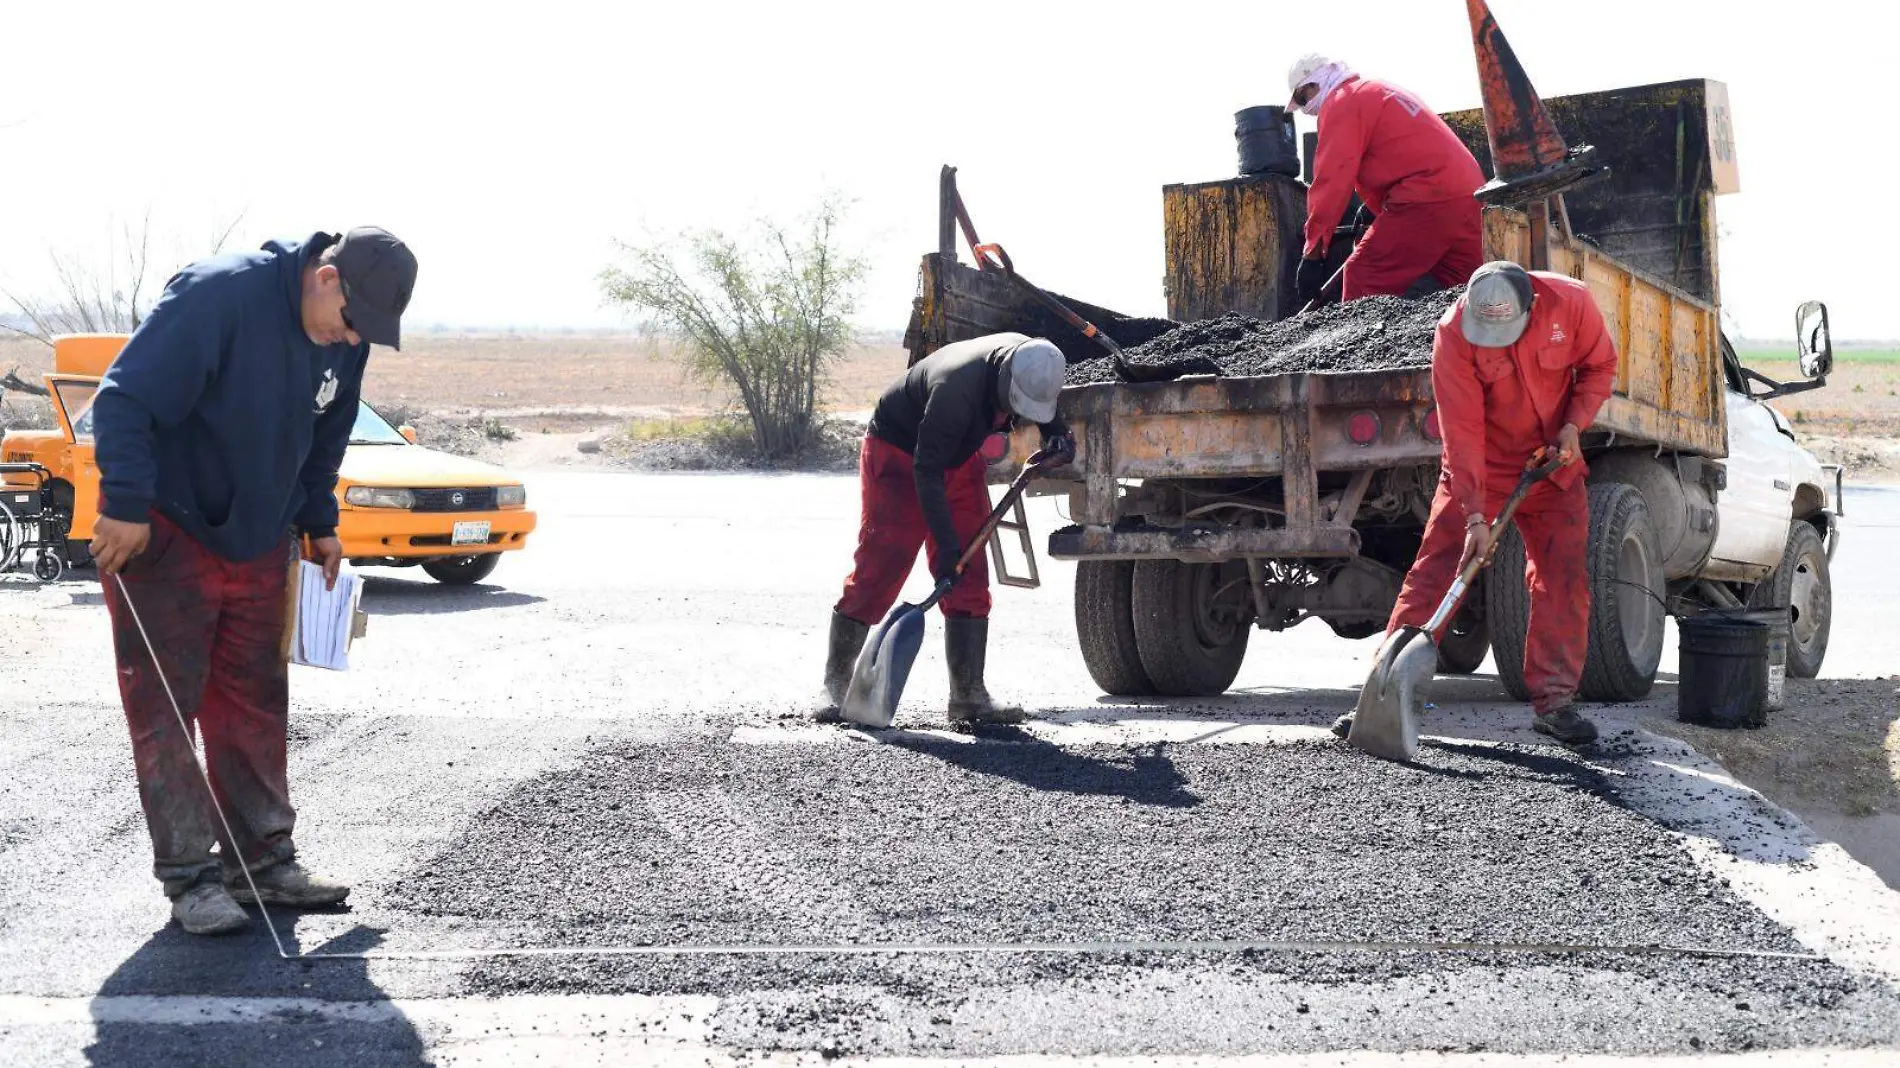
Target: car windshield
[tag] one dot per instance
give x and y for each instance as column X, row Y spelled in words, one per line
column 76, row 398
column 373, row 429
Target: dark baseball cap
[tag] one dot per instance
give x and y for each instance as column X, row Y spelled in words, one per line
column 379, row 273
column 1497, row 305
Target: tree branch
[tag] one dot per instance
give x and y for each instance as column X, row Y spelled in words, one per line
column 13, row 382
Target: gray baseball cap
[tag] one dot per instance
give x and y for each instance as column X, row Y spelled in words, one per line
column 1497, row 305
column 1036, row 369
column 379, row 273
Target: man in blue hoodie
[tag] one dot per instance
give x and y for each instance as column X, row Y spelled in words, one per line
column 218, row 431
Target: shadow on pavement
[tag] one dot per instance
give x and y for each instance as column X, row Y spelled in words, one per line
column 406, row 597
column 145, row 1014
column 1143, row 774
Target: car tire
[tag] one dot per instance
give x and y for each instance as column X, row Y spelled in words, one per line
column 1467, row 638
column 1105, row 627
column 1802, row 584
column 1507, row 611
column 1191, row 640
column 462, row 570
column 1627, row 619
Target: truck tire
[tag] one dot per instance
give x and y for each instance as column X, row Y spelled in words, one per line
column 462, row 570
column 1191, row 624
column 1801, row 582
column 1467, row 637
column 1105, row 627
column 1627, row 621
column 1507, row 611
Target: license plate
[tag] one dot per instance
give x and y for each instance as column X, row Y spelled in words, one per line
column 470, row 534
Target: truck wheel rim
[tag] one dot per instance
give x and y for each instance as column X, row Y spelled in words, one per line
column 1803, row 591
column 1639, row 615
column 1214, row 627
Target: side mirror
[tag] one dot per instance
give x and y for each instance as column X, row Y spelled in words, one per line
column 1812, row 337
column 408, row 433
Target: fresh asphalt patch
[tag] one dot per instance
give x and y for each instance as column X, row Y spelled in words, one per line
column 1010, row 839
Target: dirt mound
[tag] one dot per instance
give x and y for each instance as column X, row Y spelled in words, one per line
column 1373, row 333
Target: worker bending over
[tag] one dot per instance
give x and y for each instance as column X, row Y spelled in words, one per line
column 921, row 477
column 1522, row 361
column 1411, row 172
column 219, row 430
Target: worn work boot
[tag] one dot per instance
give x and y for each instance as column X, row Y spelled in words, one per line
column 208, row 909
column 847, row 641
column 287, row 884
column 1343, row 725
column 1566, row 726
column 964, row 644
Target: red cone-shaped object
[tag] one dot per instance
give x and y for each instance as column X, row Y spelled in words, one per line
column 1523, row 139
column 1528, row 155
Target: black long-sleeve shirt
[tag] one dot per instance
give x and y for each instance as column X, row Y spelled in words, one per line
column 941, row 411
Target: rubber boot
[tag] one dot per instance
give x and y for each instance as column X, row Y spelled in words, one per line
column 964, row 644
column 847, row 641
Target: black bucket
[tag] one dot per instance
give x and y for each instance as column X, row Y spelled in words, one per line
column 1267, row 142
column 1723, row 672
column 1780, row 626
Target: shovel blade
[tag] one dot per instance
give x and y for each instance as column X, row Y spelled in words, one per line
column 1385, row 722
column 877, row 683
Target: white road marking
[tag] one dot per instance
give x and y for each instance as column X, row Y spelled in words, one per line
column 595, row 1029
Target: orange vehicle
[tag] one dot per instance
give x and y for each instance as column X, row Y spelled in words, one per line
column 398, row 504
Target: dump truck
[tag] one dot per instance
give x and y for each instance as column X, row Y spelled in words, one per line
column 1209, row 507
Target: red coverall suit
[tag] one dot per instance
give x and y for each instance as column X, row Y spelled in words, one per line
column 1497, row 407
column 1412, row 172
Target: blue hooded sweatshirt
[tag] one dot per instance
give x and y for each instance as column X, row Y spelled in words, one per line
column 221, row 413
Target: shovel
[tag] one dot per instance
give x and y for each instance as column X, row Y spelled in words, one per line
column 1385, row 722
column 877, row 682
column 993, row 256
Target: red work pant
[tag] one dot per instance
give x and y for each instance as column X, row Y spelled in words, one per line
column 1555, row 525
column 892, row 530
column 218, row 628
column 1409, row 241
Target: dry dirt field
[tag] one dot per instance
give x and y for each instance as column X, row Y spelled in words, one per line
column 555, row 391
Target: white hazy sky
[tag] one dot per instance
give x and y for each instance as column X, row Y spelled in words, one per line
column 509, row 144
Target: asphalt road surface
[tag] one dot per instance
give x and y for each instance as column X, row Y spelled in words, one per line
column 587, row 823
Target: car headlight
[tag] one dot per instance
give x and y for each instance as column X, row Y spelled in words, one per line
column 377, row 497
column 511, row 496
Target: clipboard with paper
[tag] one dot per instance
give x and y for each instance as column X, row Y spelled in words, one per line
column 321, row 623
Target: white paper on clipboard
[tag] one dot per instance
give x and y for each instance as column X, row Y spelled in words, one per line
column 326, row 618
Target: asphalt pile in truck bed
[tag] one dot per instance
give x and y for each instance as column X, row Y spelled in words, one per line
column 1369, row 334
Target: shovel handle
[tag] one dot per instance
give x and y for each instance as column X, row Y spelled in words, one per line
column 1323, row 290
column 1542, row 464
column 1016, row 488
column 992, row 257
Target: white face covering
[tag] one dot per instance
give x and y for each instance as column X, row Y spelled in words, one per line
column 1328, row 79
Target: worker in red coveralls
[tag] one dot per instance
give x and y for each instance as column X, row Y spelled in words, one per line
column 218, row 430
column 1411, row 172
column 1521, row 362
column 921, row 477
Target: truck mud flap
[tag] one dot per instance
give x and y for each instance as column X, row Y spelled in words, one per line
column 1201, row 545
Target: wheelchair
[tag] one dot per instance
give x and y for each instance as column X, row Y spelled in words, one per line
column 32, row 523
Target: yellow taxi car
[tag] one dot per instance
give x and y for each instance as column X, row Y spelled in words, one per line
column 398, row 504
